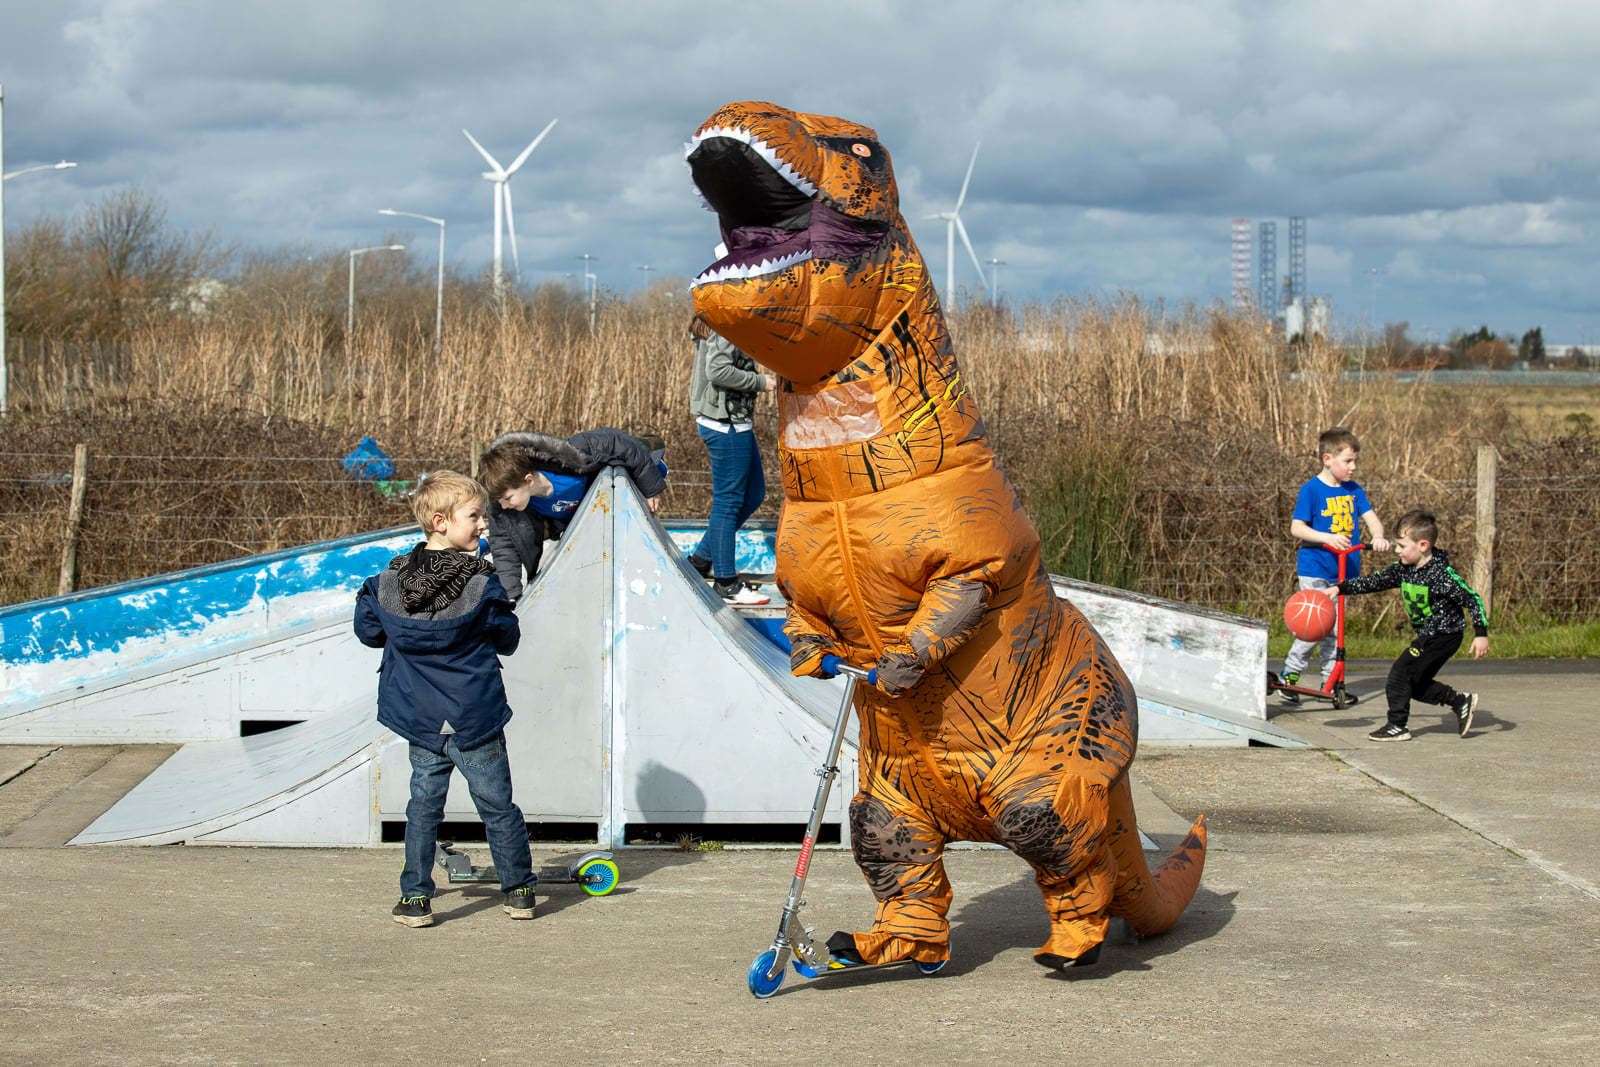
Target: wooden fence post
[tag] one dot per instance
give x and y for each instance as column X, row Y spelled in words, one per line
column 69, row 547
column 473, row 445
column 1483, row 556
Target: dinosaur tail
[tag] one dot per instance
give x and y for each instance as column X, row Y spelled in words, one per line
column 1151, row 902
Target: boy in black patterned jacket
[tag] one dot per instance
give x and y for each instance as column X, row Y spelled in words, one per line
column 1437, row 599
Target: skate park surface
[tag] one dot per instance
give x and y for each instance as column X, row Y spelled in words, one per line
column 1434, row 901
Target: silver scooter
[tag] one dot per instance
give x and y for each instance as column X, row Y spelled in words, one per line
column 794, row 937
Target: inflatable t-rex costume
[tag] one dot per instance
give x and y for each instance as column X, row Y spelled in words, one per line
column 999, row 715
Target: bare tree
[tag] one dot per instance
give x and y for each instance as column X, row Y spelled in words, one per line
column 132, row 262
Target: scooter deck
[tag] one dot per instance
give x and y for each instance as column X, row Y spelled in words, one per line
column 835, row 968
column 562, row 870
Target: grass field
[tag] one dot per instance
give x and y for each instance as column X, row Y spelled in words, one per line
column 1540, row 411
column 1515, row 639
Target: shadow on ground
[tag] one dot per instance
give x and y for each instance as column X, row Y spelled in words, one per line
column 1012, row 916
column 453, row 902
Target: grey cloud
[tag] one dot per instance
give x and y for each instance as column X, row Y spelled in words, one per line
column 1450, row 146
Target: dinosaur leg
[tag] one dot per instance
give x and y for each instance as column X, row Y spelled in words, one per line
column 900, row 852
column 1059, row 827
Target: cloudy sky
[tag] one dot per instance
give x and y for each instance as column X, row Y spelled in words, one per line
column 1450, row 147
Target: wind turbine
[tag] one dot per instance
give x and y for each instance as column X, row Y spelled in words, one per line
column 994, row 279
column 500, row 178
column 953, row 226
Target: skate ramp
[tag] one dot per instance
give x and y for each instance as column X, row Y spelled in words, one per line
column 309, row 784
column 189, row 656
column 639, row 698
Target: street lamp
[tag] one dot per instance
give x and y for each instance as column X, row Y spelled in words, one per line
column 63, row 165
column 350, row 302
column 1372, row 298
column 4, row 177
column 592, row 282
column 438, row 310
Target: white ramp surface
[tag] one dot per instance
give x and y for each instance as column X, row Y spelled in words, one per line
column 309, row 784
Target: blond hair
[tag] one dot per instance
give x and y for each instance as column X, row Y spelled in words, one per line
column 441, row 492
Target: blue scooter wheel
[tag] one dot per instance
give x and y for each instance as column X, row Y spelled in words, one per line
column 763, row 983
column 931, row 968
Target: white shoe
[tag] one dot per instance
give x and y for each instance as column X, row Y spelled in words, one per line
column 742, row 595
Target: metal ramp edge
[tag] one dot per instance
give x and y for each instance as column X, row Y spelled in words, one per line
column 1243, row 727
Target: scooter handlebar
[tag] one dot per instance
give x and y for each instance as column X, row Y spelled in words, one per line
column 832, row 665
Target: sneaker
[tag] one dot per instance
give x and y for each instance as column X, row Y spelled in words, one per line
column 1465, row 705
column 413, row 911
column 701, row 565
column 1291, row 678
column 519, row 902
column 1390, row 732
column 741, row 594
column 1062, row 963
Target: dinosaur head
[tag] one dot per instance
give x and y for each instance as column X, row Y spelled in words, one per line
column 811, row 219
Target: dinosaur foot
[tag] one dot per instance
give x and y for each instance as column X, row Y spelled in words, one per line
column 1062, row 963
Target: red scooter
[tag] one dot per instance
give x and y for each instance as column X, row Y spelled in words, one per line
column 1333, row 688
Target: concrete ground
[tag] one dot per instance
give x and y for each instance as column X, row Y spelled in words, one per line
column 1427, row 902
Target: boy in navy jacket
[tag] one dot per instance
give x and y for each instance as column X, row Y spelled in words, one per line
column 443, row 621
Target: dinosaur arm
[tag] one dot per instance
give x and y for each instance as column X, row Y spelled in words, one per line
column 810, row 638
column 950, row 611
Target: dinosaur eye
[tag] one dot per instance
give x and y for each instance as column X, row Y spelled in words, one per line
column 861, row 150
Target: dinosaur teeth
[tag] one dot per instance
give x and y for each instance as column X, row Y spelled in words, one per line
column 761, row 148
column 750, row 270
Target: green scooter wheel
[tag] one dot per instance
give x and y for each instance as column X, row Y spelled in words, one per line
column 598, row 877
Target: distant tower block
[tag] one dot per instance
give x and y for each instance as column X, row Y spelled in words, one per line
column 1297, row 259
column 1267, row 268
column 1242, row 295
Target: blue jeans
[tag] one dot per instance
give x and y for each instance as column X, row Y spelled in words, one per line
column 737, row 488
column 488, row 775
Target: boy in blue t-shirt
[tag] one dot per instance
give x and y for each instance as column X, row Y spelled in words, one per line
column 1325, row 513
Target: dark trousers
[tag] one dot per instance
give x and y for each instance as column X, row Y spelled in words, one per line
column 737, row 488
column 488, row 775
column 1411, row 677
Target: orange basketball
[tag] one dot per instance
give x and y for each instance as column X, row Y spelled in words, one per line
column 1309, row 615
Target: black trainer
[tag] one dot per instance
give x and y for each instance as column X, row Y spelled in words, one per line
column 1290, row 678
column 519, row 902
column 1062, row 963
column 701, row 565
column 1390, row 732
column 842, row 947
column 413, row 911
column 1465, row 705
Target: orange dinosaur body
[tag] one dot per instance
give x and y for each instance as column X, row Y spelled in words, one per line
column 1000, row 715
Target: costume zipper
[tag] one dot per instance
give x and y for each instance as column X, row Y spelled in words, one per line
column 850, row 581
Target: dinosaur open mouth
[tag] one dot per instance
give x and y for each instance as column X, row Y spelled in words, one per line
column 772, row 216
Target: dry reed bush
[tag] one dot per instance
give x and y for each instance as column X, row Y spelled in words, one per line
column 1210, row 422
column 172, row 487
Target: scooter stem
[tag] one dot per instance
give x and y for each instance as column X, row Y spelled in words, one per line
column 791, row 934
